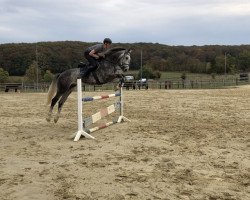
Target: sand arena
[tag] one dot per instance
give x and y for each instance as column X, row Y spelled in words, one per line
column 180, row 144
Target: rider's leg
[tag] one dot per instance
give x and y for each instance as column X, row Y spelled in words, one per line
column 93, row 65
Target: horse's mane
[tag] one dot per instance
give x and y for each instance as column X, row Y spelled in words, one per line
column 114, row 50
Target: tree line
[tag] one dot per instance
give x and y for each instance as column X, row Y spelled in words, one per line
column 56, row 57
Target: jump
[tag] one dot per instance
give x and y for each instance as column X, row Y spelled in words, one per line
column 115, row 63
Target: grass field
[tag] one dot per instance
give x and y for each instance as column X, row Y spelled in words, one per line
column 190, row 76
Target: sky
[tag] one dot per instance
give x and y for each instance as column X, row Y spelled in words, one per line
column 170, row 22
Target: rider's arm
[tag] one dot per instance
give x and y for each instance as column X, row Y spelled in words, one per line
column 93, row 54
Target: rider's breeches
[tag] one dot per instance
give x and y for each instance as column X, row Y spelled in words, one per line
column 92, row 61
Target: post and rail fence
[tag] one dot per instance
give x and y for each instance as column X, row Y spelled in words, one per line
column 151, row 84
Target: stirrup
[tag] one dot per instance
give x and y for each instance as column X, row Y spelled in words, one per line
column 81, row 65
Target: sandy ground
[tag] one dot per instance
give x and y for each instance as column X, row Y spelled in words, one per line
column 180, row 144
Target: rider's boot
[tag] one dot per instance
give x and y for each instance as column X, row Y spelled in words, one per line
column 89, row 68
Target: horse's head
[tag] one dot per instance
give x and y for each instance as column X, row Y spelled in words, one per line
column 120, row 57
column 124, row 60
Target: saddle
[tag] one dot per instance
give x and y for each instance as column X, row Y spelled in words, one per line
column 86, row 69
column 87, row 65
column 82, row 65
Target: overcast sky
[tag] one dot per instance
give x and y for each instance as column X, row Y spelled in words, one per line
column 171, row 22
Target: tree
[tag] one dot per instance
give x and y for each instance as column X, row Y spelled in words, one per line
column 219, row 66
column 33, row 72
column 59, row 56
column 148, row 72
column 4, row 75
column 48, row 76
column 244, row 60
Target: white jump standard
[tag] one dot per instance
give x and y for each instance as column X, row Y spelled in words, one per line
column 97, row 116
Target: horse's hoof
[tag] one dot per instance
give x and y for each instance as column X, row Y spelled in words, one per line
column 56, row 119
column 48, row 119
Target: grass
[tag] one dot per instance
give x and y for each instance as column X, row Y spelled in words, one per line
column 190, row 76
column 16, row 79
column 196, row 76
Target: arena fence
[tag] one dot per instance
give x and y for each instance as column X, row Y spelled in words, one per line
column 151, row 84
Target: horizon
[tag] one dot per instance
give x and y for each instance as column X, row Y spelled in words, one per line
column 115, row 43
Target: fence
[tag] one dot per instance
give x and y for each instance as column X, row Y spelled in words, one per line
column 197, row 84
column 44, row 87
column 152, row 84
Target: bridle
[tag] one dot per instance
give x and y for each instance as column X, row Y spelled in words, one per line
column 120, row 58
column 119, row 62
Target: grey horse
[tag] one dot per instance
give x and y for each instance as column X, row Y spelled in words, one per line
column 116, row 62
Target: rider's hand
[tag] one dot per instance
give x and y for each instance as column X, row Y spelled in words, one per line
column 96, row 56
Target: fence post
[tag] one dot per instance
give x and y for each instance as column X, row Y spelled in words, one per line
column 79, row 113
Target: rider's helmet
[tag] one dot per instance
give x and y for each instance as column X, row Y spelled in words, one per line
column 107, row 40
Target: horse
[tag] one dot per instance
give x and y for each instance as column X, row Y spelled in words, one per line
column 115, row 63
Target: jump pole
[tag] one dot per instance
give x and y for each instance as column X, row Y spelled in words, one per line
column 79, row 112
column 121, row 117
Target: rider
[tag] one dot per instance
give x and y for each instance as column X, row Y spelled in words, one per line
column 93, row 53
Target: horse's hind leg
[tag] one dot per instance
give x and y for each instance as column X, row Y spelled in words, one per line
column 53, row 102
column 62, row 101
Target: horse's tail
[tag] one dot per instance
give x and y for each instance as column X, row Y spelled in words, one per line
column 52, row 89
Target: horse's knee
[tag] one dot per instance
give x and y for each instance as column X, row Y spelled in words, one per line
column 60, row 105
